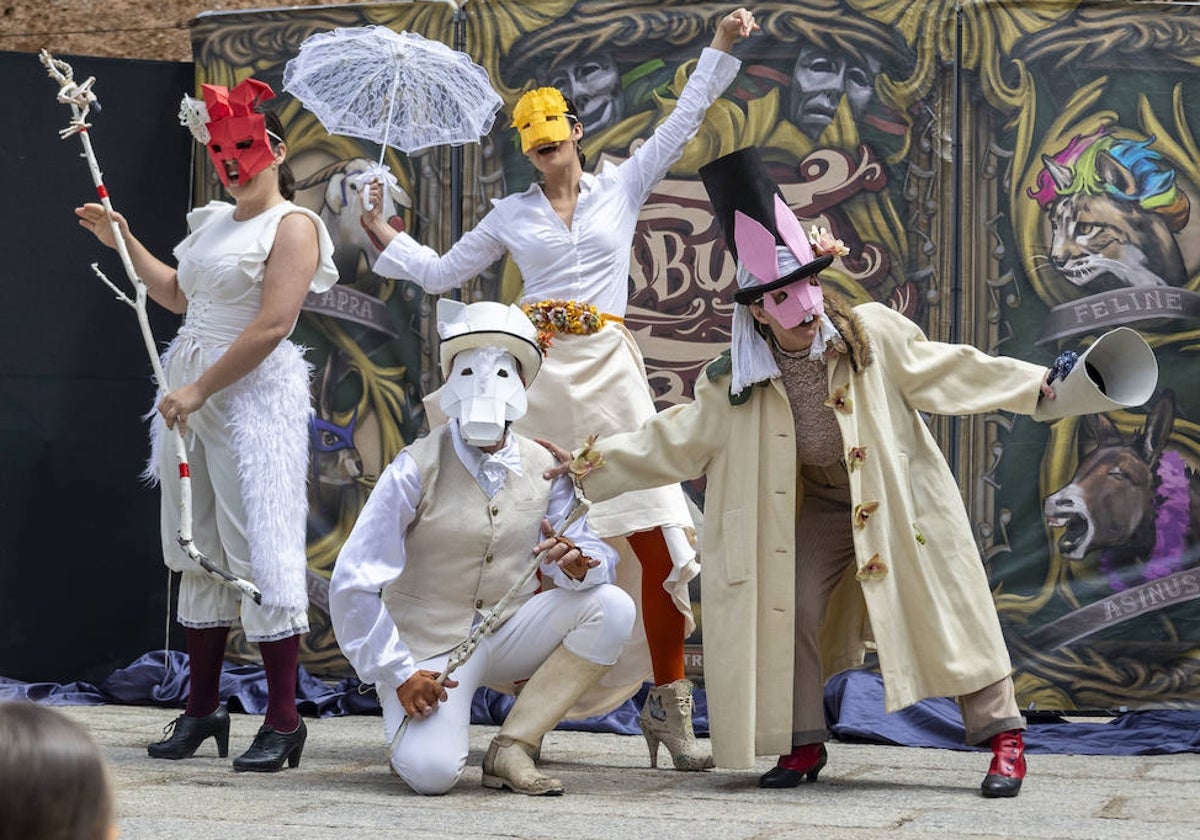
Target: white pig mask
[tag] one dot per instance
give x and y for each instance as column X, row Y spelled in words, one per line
column 485, row 392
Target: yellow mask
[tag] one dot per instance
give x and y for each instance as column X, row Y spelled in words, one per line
column 541, row 117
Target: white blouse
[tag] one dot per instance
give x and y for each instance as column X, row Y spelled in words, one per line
column 374, row 556
column 590, row 261
column 222, row 263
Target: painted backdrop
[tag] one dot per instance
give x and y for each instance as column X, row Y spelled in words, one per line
column 1017, row 175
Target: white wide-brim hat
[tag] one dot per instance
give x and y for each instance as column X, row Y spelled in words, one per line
column 487, row 323
column 1119, row 370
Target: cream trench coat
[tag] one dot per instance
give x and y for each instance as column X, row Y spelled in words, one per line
column 919, row 575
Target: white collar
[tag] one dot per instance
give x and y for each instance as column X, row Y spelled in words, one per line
column 473, row 458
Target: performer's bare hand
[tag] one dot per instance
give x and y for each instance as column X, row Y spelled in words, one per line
column 372, row 202
column 94, row 218
column 1047, row 389
column 737, row 24
column 561, row 455
column 563, row 553
column 421, row 693
column 177, row 405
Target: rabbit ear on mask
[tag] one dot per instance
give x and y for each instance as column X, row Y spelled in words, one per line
column 240, row 101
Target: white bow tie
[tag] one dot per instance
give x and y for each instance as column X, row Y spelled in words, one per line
column 492, row 475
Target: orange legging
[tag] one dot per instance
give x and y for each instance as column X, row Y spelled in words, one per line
column 661, row 618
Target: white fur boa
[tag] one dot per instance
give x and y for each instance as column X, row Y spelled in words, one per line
column 270, row 411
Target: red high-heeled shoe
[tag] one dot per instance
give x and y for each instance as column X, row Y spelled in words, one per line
column 1008, row 765
column 803, row 762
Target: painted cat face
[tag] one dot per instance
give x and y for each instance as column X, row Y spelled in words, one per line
column 1093, row 235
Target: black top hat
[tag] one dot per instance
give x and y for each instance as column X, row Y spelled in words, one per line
column 751, row 211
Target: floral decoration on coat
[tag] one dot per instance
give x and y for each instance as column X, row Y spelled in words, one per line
column 873, row 569
column 863, row 512
column 856, row 457
column 587, row 460
column 840, row 400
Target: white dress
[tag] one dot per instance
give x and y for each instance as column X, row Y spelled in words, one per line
column 588, row 384
column 248, row 444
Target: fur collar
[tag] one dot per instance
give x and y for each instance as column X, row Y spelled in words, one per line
column 857, row 344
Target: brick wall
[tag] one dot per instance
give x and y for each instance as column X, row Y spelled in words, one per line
column 147, row 29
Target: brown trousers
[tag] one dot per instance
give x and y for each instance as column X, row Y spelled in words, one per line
column 824, row 554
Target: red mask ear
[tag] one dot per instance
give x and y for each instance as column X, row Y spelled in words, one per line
column 216, row 100
column 241, row 101
column 248, row 94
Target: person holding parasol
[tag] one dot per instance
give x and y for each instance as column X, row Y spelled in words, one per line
column 571, row 235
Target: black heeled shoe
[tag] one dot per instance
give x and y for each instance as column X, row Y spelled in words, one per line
column 804, row 762
column 185, row 734
column 271, row 749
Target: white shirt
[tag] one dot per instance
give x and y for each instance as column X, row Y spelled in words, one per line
column 589, row 262
column 374, row 555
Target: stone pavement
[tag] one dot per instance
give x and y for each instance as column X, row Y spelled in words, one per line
column 343, row 789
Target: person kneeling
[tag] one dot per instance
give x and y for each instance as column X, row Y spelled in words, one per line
column 445, row 534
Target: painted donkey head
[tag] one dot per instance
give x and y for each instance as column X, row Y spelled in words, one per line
column 1132, row 498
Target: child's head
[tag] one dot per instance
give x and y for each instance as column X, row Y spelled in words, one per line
column 54, row 783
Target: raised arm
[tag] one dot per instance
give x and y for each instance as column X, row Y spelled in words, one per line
column 674, row 445
column 713, row 73
column 941, row 378
column 404, row 258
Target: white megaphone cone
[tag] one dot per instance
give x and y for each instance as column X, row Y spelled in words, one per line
column 1118, row 371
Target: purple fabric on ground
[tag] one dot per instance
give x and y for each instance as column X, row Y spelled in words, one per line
column 853, row 709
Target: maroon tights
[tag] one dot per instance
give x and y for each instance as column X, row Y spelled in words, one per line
column 206, row 653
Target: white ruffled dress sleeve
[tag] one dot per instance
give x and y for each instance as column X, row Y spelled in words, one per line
column 253, row 261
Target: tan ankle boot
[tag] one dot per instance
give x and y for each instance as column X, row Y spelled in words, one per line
column 508, row 764
column 550, row 692
column 667, row 718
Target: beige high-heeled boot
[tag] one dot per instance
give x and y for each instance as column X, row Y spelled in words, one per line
column 667, row 718
column 550, row 692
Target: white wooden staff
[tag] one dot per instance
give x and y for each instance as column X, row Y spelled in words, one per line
column 81, row 99
column 460, row 654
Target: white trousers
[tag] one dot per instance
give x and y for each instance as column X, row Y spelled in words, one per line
column 219, row 529
column 593, row 623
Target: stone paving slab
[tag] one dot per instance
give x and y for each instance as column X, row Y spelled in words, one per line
column 343, row 788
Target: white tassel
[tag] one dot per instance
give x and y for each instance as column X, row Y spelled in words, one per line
column 749, row 354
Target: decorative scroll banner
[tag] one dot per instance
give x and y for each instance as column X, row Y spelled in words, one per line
column 351, row 305
column 1136, row 601
column 1118, row 308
